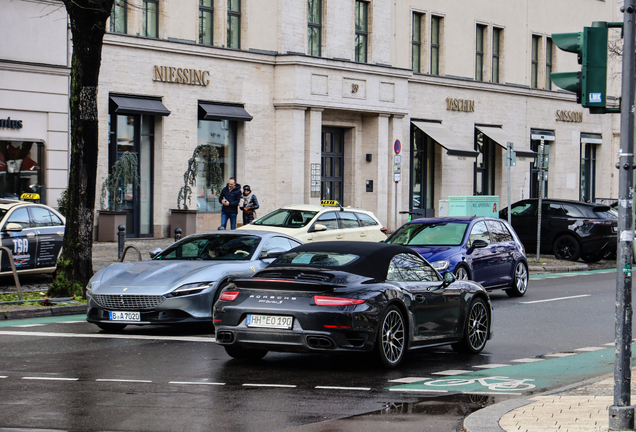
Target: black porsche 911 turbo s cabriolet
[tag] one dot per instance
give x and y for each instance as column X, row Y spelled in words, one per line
column 351, row 296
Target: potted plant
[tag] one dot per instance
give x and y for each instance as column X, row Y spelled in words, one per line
column 123, row 172
column 183, row 216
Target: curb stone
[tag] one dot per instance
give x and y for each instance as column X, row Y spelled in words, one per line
column 38, row 311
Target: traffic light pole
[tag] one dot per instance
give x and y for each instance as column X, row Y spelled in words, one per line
column 621, row 414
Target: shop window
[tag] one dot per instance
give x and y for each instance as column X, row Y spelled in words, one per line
column 362, row 31
column 222, row 135
column 588, row 172
column 21, row 169
column 206, row 15
column 423, row 165
column 484, row 180
column 234, row 24
column 118, row 17
column 150, row 19
column 314, row 27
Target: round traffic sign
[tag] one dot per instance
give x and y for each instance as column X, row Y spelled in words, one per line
column 397, row 147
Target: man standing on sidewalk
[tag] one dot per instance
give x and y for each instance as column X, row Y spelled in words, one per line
column 230, row 198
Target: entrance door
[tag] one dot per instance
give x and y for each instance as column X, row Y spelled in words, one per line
column 423, row 176
column 135, row 134
column 332, row 162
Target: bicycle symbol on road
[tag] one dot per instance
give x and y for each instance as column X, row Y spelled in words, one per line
column 494, row 383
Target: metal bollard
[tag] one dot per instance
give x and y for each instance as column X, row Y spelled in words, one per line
column 177, row 234
column 121, row 240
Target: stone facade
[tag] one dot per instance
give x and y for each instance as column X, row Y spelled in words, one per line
column 292, row 97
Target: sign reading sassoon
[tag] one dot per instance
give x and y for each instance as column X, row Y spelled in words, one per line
column 181, row 75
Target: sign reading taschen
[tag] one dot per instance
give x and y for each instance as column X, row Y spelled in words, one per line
column 181, row 76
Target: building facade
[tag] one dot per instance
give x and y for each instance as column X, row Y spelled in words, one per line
column 34, row 104
column 313, row 99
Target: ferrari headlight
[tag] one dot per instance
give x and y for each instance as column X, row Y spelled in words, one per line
column 191, row 288
column 91, row 286
column 440, row 265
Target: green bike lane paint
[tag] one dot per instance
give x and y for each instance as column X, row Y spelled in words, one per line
column 520, row 378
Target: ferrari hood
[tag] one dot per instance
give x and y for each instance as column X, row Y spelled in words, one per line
column 156, row 277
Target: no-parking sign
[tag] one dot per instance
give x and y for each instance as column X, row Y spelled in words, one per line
column 397, row 147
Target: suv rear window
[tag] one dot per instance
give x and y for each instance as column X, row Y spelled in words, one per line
column 366, row 220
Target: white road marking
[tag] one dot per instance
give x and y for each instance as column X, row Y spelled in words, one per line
column 555, row 299
column 196, row 382
column 492, row 393
column 270, row 385
column 50, row 378
column 527, row 360
column 70, row 322
column 590, row 349
column 4, row 377
column 109, row 336
column 417, row 390
column 409, row 380
column 343, row 388
column 122, row 380
column 451, row 372
column 490, row 366
column 559, row 354
column 30, row 325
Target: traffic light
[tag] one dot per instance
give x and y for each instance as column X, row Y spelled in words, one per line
column 590, row 84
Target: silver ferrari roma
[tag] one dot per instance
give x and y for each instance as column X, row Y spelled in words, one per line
column 181, row 283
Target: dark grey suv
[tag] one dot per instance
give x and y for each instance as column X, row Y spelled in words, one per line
column 569, row 229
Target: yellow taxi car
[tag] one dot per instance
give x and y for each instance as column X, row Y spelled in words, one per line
column 328, row 222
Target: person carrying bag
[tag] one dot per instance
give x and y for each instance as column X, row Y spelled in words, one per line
column 248, row 204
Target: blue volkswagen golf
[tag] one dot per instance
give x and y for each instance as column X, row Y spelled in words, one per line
column 482, row 249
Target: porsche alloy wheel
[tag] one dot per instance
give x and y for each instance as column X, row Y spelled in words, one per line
column 519, row 282
column 391, row 342
column 476, row 329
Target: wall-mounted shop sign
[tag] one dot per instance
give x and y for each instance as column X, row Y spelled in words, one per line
column 10, row 124
column 181, row 76
column 465, row 105
column 569, row 116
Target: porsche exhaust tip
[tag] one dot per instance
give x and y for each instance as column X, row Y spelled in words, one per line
column 320, row 342
column 225, row 337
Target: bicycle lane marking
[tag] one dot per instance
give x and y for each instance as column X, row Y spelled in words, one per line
column 42, row 320
column 521, row 378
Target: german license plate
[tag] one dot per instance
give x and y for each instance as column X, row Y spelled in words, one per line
column 124, row 316
column 270, row 321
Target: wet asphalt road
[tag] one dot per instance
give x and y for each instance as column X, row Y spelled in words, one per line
column 71, row 376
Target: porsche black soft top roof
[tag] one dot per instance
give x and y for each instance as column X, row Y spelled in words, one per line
column 373, row 261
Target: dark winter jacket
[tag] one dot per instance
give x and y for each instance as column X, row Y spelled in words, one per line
column 232, row 196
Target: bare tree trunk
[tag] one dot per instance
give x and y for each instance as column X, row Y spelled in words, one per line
column 88, row 25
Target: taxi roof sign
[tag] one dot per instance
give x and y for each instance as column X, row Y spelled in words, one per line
column 30, row 196
column 330, row 203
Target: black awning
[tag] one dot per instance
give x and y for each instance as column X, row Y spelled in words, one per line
column 210, row 111
column 500, row 137
column 133, row 105
column 454, row 145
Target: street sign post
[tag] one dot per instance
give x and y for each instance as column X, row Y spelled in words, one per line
column 621, row 413
column 397, row 175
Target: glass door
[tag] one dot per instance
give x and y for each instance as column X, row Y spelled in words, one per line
column 332, row 163
column 134, row 134
column 422, row 178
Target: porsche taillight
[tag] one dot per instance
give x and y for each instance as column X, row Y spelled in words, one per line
column 336, row 301
column 229, row 295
